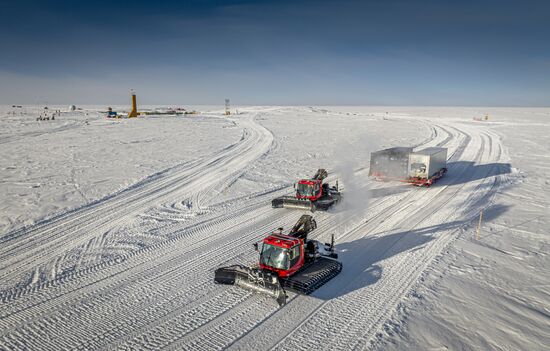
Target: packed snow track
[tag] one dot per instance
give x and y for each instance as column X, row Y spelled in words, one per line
column 63, row 288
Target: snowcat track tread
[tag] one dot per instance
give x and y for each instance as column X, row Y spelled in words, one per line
column 313, row 276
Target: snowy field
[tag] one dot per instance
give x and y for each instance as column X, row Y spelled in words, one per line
column 110, row 230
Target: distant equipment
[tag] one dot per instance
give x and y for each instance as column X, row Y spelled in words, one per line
column 111, row 113
column 72, row 108
column 134, row 112
column 227, row 112
column 484, row 118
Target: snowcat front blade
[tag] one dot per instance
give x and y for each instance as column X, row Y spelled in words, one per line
column 292, row 202
column 252, row 279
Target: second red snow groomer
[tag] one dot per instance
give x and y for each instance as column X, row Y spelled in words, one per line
column 311, row 194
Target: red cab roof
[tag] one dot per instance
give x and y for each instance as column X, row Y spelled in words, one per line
column 281, row 240
column 308, row 181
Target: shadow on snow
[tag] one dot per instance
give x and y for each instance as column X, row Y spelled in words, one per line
column 459, row 172
column 362, row 258
column 473, row 171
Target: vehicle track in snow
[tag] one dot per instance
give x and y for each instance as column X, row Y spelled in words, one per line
column 24, row 135
column 72, row 300
column 165, row 340
column 286, row 325
column 328, row 225
column 80, row 296
column 36, row 248
column 175, row 303
column 354, row 319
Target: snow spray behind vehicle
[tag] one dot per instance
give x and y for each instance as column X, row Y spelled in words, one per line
column 390, row 164
column 354, row 181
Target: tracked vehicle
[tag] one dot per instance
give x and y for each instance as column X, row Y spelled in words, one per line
column 311, row 194
column 287, row 262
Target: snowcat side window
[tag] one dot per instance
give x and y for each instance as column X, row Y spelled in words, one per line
column 294, row 255
column 274, row 256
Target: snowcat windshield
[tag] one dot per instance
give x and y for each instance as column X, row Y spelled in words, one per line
column 274, row 256
column 305, row 190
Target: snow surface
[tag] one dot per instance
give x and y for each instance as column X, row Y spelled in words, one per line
column 110, row 230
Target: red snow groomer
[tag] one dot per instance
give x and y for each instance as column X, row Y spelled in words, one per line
column 287, row 261
column 311, row 194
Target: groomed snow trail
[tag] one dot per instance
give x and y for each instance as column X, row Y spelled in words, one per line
column 163, row 295
column 36, row 252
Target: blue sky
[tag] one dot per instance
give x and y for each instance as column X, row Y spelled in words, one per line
column 491, row 53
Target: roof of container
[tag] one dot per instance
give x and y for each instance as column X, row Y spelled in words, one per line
column 395, row 150
column 430, row 151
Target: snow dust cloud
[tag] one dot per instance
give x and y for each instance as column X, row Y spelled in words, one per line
column 351, row 170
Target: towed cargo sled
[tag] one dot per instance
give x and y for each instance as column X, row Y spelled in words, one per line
column 427, row 166
column 420, row 168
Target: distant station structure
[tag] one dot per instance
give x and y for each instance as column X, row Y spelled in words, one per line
column 110, row 113
column 133, row 112
column 227, row 112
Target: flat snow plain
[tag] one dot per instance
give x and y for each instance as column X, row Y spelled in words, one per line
column 110, row 230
